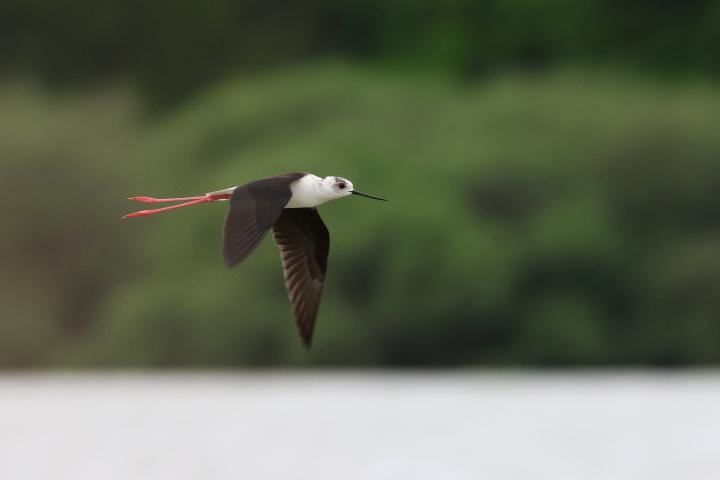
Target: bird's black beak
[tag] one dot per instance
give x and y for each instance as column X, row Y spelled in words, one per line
column 355, row 192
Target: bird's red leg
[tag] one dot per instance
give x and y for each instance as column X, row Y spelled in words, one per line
column 193, row 201
column 164, row 200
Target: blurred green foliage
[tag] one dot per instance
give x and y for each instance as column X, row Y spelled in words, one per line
column 171, row 48
column 552, row 168
column 563, row 218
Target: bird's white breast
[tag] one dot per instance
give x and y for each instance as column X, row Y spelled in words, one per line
column 307, row 192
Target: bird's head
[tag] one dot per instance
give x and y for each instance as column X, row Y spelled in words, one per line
column 338, row 187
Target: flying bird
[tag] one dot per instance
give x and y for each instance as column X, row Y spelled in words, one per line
column 286, row 204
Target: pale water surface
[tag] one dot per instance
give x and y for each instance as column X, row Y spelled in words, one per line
column 349, row 425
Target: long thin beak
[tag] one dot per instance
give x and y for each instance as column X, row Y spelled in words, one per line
column 355, row 192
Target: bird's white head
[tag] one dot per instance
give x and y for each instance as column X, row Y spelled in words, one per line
column 336, row 187
column 311, row 191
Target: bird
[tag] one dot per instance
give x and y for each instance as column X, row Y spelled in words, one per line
column 285, row 204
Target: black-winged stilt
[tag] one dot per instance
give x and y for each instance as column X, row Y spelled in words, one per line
column 286, row 203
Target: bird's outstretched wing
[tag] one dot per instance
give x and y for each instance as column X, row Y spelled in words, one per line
column 254, row 209
column 304, row 243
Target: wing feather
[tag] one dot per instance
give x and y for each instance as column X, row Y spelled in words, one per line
column 254, row 208
column 304, row 243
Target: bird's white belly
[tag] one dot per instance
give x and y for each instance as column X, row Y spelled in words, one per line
column 306, row 193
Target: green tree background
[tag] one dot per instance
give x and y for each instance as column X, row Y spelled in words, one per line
column 553, row 169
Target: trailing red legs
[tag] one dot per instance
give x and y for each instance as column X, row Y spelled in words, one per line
column 164, row 200
column 188, row 201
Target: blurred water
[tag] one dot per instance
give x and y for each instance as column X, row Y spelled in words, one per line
column 339, row 425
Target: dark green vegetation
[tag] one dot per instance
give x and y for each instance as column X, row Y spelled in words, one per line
column 174, row 47
column 553, row 168
column 570, row 218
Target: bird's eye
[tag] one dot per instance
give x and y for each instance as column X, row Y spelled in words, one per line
column 341, row 185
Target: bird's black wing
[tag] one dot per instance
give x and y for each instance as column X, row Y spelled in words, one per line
column 304, row 243
column 254, row 209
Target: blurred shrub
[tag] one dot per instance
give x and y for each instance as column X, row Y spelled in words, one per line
column 172, row 48
column 60, row 249
column 564, row 219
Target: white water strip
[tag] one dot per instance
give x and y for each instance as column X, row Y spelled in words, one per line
column 349, row 425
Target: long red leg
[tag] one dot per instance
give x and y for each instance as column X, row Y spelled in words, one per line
column 144, row 213
column 164, row 200
column 192, row 201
